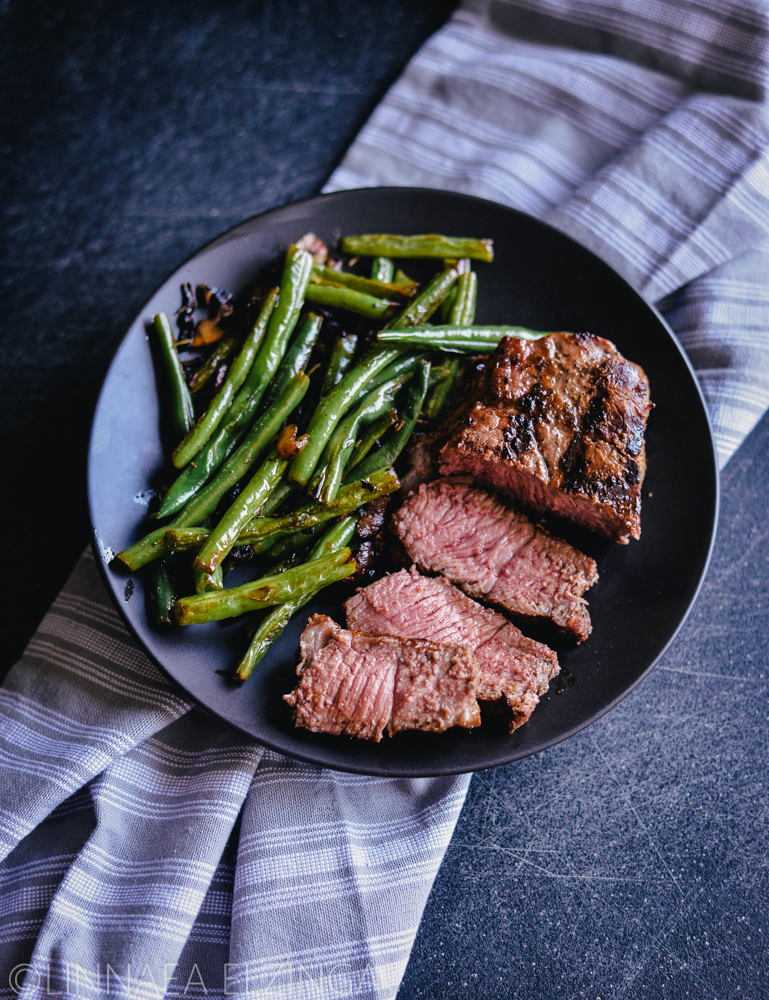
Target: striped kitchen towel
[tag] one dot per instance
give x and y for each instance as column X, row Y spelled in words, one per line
column 646, row 139
column 151, row 850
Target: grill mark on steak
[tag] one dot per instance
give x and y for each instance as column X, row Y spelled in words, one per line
column 497, row 554
column 359, row 684
column 514, row 671
column 557, row 424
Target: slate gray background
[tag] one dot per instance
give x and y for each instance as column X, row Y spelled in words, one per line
column 630, row 861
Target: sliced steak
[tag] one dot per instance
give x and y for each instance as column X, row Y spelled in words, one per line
column 515, row 671
column 496, row 554
column 360, row 684
column 558, row 424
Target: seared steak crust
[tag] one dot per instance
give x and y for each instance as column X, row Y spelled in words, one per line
column 497, row 554
column 361, row 684
column 515, row 671
column 557, row 423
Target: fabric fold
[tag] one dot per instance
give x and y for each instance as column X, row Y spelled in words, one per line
column 333, row 873
column 126, row 907
column 82, row 695
column 666, row 184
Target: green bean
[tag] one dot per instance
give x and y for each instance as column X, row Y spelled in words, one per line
column 326, row 482
column 278, row 497
column 220, row 404
column 185, row 539
column 341, row 358
column 401, row 278
column 462, row 266
column 427, row 245
column 463, row 311
column 457, row 339
column 216, row 450
column 382, row 269
column 297, row 355
column 393, row 446
column 424, row 305
column 293, row 284
column 268, row 631
column 270, row 590
column 160, row 591
column 181, row 408
column 207, row 581
column 403, row 365
column 191, row 539
column 310, row 513
column 293, row 287
column 337, row 537
column 462, row 314
column 332, row 408
column 210, row 366
column 347, row 298
column 245, row 505
column 205, row 502
column 448, row 304
column 285, row 550
column 379, row 289
column 365, row 443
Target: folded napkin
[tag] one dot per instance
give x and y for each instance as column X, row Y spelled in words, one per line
column 150, row 849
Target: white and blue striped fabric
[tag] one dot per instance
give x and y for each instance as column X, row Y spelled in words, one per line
column 149, row 850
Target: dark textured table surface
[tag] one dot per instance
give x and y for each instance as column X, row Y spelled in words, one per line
column 631, row 861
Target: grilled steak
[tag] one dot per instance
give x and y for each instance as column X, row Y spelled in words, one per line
column 361, row 684
column 558, row 424
column 497, row 554
column 515, row 670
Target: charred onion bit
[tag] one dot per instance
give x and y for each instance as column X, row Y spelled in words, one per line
column 288, row 444
column 315, row 246
column 185, row 314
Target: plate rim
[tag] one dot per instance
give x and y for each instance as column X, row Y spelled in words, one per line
column 390, row 772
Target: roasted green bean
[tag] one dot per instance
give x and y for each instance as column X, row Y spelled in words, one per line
column 181, row 409
column 278, row 497
column 347, row 298
column 160, row 591
column 461, row 314
column 310, row 513
column 210, row 366
column 207, row 581
column 270, row 590
column 382, row 269
column 401, row 278
column 245, row 505
column 333, row 407
column 336, row 537
column 326, row 482
column 424, row 305
column 236, row 422
column 394, row 445
column 379, row 289
column 426, row 245
column 457, row 339
column 206, row 501
column 342, row 353
column 296, row 357
column 365, row 443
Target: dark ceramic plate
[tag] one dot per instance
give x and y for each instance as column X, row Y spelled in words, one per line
column 540, row 279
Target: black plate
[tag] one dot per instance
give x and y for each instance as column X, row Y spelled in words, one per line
column 539, row 278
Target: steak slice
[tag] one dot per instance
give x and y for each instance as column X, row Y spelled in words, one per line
column 495, row 553
column 361, row 684
column 558, row 424
column 515, row 671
